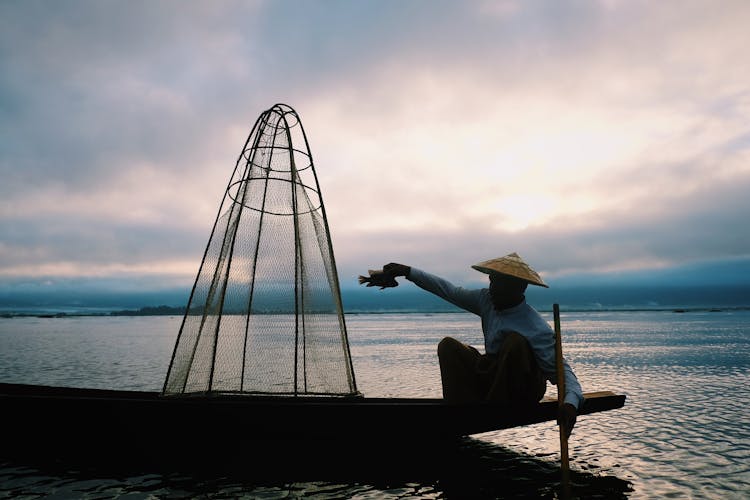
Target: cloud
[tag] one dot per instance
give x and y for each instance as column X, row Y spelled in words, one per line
column 673, row 232
column 586, row 135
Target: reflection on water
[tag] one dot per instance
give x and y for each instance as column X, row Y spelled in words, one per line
column 472, row 469
column 684, row 432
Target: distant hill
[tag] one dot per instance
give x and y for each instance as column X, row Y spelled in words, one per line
column 724, row 285
column 151, row 311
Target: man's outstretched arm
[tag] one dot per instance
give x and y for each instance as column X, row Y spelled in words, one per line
column 456, row 295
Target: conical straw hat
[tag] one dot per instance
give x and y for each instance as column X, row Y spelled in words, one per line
column 511, row 265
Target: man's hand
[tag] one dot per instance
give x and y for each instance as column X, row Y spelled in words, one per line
column 566, row 416
column 394, row 269
column 387, row 277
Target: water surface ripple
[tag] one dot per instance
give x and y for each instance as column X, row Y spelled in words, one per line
column 684, row 432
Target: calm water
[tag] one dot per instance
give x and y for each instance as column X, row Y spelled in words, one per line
column 684, row 432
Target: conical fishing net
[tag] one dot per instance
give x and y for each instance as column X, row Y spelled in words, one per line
column 265, row 313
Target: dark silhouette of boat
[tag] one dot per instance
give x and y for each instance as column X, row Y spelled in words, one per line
column 51, row 421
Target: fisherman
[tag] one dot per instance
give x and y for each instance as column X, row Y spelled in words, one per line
column 519, row 344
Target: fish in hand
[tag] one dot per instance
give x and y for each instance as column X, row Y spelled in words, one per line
column 379, row 278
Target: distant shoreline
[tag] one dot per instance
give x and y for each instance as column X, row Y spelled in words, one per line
column 180, row 311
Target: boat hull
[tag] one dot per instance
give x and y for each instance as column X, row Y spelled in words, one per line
column 57, row 421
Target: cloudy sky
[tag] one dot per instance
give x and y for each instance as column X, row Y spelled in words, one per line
column 589, row 136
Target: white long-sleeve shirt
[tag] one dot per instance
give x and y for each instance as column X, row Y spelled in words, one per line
column 522, row 318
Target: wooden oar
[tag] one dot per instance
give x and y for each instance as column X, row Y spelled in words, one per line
column 564, row 462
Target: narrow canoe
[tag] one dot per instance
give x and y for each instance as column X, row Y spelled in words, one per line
column 44, row 419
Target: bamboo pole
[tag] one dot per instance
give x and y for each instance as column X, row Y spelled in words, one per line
column 564, row 462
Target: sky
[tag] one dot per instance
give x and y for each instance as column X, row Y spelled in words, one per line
column 598, row 139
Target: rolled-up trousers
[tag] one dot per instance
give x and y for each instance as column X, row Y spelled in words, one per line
column 511, row 376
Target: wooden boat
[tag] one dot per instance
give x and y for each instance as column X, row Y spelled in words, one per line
column 43, row 420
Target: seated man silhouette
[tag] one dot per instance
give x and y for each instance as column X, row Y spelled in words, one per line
column 519, row 344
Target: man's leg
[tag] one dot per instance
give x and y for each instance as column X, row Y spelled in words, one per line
column 518, row 379
column 457, row 361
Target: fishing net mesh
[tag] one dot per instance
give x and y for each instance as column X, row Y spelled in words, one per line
column 265, row 314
